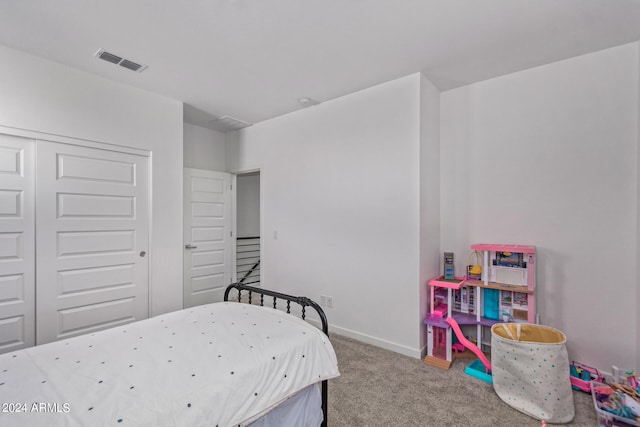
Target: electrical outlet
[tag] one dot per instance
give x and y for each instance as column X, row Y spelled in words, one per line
column 329, row 302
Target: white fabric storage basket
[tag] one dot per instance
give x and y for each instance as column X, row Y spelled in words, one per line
column 530, row 370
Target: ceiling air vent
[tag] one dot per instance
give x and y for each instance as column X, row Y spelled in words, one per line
column 131, row 65
column 109, row 57
column 118, row 60
column 227, row 124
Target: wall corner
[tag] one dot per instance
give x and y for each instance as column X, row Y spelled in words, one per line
column 429, row 158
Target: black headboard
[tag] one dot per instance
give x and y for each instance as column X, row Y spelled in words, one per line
column 304, row 302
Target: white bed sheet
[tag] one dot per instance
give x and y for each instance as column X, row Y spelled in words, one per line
column 223, row 364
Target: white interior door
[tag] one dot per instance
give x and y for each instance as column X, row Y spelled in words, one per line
column 93, row 234
column 17, row 253
column 207, row 236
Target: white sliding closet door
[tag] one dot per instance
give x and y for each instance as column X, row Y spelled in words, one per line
column 17, row 257
column 92, row 231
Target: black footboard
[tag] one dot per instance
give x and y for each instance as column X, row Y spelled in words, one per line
column 304, row 302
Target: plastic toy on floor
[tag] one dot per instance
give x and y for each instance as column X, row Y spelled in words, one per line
column 582, row 375
column 614, row 401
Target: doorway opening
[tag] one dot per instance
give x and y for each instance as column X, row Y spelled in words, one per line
column 248, row 242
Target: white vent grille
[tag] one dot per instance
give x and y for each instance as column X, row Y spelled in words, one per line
column 119, row 60
column 228, row 124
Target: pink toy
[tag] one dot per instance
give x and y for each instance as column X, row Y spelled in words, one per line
column 464, row 341
column 578, row 382
column 440, row 337
column 440, row 310
column 457, row 347
column 479, row 303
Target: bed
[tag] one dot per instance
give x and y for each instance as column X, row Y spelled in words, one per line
column 222, row 364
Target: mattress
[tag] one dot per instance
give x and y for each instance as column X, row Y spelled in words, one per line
column 222, row 364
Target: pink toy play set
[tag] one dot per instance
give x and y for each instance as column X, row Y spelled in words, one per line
column 501, row 289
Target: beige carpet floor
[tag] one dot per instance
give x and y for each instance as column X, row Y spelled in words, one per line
column 381, row 388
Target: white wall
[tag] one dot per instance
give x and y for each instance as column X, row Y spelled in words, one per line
column 340, row 186
column 248, row 205
column 430, row 254
column 637, row 364
column 44, row 96
column 204, row 148
column 549, row 157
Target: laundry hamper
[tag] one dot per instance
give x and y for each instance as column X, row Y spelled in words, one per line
column 530, row 369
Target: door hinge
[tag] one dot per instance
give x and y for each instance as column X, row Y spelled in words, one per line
column 231, row 233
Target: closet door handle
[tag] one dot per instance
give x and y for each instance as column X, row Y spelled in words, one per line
column 190, row 247
column 142, row 254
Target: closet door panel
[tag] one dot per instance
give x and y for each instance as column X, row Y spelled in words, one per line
column 17, row 252
column 92, row 233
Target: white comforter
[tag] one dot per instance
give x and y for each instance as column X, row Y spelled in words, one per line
column 222, row 364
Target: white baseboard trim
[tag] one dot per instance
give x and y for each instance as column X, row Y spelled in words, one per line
column 423, row 352
column 378, row 342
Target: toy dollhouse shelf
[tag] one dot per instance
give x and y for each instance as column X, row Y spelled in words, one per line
column 461, row 318
column 506, row 289
column 523, row 249
column 499, row 286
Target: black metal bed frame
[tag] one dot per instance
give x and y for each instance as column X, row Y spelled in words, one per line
column 304, row 302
